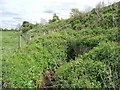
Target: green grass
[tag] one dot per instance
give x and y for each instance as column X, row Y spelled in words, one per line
column 9, row 42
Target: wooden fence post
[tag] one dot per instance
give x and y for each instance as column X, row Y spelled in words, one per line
column 19, row 39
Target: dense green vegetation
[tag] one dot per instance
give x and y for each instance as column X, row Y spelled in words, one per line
column 83, row 52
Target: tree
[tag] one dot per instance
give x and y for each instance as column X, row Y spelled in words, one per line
column 55, row 18
column 25, row 26
column 75, row 12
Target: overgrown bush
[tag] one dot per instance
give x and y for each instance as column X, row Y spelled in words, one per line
column 97, row 69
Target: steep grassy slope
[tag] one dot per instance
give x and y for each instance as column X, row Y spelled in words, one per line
column 28, row 63
column 51, row 51
column 85, row 58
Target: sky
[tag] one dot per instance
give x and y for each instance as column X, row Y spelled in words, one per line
column 14, row 12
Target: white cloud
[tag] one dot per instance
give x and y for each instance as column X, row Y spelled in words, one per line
column 13, row 12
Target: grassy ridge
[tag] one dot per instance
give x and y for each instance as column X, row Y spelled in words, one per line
column 105, row 17
column 50, row 51
column 83, row 52
column 44, row 53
